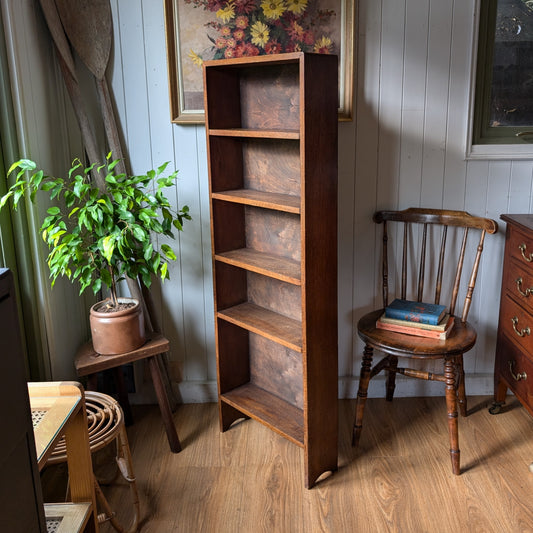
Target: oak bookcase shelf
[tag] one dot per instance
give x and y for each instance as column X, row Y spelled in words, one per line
column 253, row 133
column 279, row 328
column 267, row 264
column 271, row 126
column 268, row 200
column 269, row 409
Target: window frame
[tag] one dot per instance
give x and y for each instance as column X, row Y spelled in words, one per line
column 484, row 141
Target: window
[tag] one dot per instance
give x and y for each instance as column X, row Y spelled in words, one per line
column 503, row 112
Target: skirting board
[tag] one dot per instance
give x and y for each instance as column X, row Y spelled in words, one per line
column 206, row 391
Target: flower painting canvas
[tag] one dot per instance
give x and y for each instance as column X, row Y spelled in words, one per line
column 201, row 30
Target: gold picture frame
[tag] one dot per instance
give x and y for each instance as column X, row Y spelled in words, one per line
column 187, row 27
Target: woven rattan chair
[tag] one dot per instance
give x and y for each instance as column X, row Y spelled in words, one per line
column 106, row 426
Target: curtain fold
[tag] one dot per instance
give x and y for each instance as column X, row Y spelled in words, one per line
column 16, row 235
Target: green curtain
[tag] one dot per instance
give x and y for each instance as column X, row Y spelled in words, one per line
column 16, row 235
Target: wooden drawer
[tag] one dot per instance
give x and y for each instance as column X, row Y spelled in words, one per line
column 516, row 324
column 520, row 247
column 518, row 282
column 516, row 370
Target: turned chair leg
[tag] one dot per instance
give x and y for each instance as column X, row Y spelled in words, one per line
column 364, row 379
column 451, row 405
column 461, row 394
column 391, row 377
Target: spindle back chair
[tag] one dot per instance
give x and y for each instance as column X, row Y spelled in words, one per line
column 429, row 280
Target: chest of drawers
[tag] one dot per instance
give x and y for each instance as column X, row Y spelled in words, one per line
column 514, row 349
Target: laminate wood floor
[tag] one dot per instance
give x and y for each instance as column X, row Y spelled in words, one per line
column 249, row 479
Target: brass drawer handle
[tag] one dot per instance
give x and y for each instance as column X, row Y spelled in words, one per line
column 522, row 332
column 525, row 293
column 519, row 376
column 522, row 248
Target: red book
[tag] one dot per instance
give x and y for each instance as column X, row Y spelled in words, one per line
column 418, row 332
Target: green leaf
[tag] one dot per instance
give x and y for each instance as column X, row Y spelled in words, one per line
column 53, row 210
column 106, row 277
column 37, row 178
column 164, row 271
column 23, row 164
column 113, row 164
column 156, row 262
column 108, row 247
column 97, row 285
column 139, row 233
column 148, row 251
column 5, row 198
column 162, row 168
column 167, row 250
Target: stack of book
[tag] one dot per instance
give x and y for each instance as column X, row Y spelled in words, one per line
column 416, row 318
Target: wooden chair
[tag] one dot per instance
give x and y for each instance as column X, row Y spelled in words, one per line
column 440, row 236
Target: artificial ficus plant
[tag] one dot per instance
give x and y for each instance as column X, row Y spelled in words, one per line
column 99, row 237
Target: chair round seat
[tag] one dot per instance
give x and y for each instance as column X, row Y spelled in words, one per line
column 104, row 419
column 461, row 339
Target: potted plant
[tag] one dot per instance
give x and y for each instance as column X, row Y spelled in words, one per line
column 99, row 237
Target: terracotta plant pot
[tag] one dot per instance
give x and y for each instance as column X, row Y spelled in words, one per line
column 119, row 331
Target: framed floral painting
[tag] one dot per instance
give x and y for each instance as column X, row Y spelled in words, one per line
column 199, row 30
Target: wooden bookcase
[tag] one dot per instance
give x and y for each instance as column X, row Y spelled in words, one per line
column 271, row 125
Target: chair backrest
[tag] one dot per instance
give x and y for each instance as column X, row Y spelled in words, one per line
column 424, row 265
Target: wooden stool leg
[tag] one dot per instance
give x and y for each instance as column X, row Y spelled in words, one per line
column 461, row 393
column 123, row 398
column 164, row 405
column 451, row 405
column 366, row 367
column 391, row 377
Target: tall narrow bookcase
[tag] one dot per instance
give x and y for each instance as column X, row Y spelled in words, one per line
column 271, row 125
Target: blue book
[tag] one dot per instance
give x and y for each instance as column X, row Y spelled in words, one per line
column 415, row 311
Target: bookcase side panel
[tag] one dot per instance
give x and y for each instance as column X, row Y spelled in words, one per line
column 272, row 166
column 233, row 356
column 270, row 97
column 320, row 263
column 226, row 163
column 222, row 100
column 230, row 286
column 228, row 226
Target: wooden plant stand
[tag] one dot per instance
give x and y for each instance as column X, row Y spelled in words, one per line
column 88, row 363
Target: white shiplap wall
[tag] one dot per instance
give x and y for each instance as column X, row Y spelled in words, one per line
column 405, row 147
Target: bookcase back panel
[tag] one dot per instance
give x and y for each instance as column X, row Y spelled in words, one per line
column 274, row 295
column 276, row 369
column 273, row 232
column 272, row 166
column 226, row 164
column 228, row 226
column 233, row 360
column 270, row 97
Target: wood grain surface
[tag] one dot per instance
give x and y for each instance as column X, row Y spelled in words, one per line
column 250, row 478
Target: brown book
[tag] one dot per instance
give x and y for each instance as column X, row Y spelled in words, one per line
column 416, row 330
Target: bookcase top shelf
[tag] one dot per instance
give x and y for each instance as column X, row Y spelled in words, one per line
column 256, row 133
column 268, row 200
column 278, row 328
column 270, row 265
